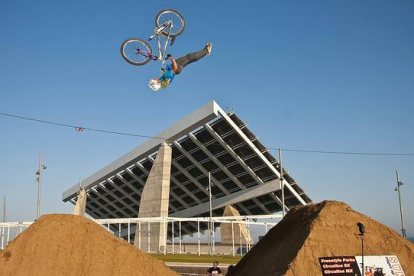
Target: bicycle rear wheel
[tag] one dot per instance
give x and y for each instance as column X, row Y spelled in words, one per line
column 136, row 51
column 176, row 18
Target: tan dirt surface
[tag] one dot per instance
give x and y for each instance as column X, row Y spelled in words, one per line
column 74, row 245
column 326, row 229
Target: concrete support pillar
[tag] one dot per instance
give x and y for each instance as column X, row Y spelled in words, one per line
column 155, row 201
column 226, row 231
column 80, row 206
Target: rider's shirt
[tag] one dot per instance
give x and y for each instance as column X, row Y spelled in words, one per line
column 167, row 77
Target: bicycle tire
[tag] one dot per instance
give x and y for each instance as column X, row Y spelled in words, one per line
column 158, row 21
column 132, row 54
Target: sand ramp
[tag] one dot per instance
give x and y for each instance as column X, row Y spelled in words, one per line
column 293, row 246
column 73, row 245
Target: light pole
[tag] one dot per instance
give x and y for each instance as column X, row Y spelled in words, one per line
column 361, row 233
column 210, row 235
column 39, row 182
column 282, row 184
column 398, row 189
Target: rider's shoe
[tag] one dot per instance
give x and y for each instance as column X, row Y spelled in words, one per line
column 208, row 47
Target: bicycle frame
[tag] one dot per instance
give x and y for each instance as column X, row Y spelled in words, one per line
column 158, row 33
column 168, row 25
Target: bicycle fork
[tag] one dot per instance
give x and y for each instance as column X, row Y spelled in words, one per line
column 157, row 32
column 162, row 54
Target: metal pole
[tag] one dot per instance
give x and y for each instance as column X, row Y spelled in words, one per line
column 172, row 236
column 39, row 182
column 198, row 234
column 363, row 267
column 213, row 241
column 139, row 235
column 211, row 215
column 361, row 233
column 232, row 235
column 398, row 189
column 282, row 185
column 179, row 225
column 8, row 235
column 248, row 236
column 241, row 244
column 129, row 231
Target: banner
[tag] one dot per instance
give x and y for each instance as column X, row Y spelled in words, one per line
column 352, row 266
column 381, row 265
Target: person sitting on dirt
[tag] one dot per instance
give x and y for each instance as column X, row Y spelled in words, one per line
column 177, row 66
column 215, row 270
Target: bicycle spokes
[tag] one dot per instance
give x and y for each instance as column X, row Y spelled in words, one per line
column 178, row 23
column 142, row 52
column 145, row 54
column 136, row 51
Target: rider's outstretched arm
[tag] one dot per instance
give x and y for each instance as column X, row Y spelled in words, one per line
column 174, row 64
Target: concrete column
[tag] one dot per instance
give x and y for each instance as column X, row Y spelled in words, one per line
column 155, row 201
column 225, row 229
column 80, row 206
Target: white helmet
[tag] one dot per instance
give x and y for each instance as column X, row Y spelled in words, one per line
column 154, row 84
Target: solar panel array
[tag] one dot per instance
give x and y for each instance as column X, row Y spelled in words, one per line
column 218, row 147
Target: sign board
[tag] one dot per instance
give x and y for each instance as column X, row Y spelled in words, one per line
column 351, row 266
column 381, row 265
column 341, row 266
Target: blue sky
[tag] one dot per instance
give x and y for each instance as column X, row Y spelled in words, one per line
column 315, row 75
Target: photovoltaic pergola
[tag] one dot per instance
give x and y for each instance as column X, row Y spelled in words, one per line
column 209, row 140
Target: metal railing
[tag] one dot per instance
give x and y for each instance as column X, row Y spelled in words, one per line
column 124, row 227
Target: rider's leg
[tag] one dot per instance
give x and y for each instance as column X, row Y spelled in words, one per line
column 190, row 58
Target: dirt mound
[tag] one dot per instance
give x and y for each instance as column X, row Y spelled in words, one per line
column 74, row 245
column 325, row 229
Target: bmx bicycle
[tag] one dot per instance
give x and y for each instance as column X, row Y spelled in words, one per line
column 168, row 24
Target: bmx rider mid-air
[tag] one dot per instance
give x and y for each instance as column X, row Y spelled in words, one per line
column 176, row 67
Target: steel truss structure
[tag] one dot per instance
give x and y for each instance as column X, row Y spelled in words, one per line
column 243, row 172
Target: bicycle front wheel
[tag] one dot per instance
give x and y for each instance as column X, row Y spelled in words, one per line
column 177, row 21
column 136, row 51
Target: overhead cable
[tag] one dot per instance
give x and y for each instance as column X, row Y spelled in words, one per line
column 79, row 128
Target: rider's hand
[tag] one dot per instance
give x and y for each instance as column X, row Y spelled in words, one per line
column 169, row 56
